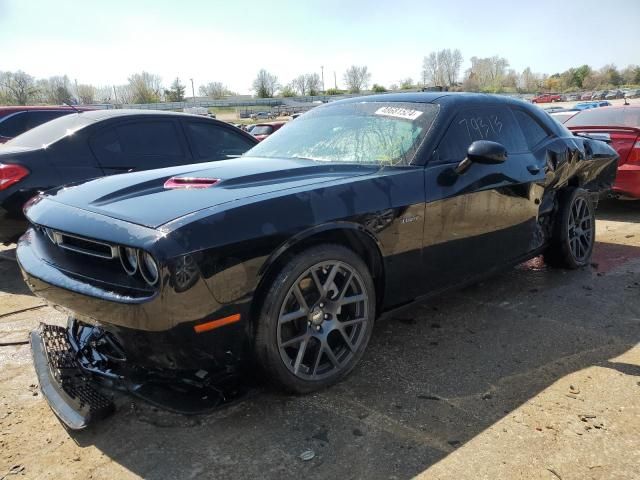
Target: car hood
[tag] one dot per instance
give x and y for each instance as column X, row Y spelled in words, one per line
column 142, row 198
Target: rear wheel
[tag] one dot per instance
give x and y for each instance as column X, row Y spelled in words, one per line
column 316, row 319
column 574, row 231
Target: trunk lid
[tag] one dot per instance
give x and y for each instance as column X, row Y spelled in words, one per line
column 623, row 139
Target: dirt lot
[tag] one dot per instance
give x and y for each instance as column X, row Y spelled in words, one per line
column 532, row 374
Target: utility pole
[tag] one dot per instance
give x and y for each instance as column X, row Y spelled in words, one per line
column 322, row 70
column 77, row 94
column 115, row 95
column 193, row 91
column 335, row 82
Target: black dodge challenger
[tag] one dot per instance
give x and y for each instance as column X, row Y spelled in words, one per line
column 285, row 257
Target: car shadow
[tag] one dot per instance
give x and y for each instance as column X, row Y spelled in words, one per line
column 11, row 281
column 619, row 210
column 11, row 229
column 432, row 379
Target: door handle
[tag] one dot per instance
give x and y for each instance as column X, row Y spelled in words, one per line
column 533, row 169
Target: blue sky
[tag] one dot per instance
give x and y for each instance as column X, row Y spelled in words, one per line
column 102, row 42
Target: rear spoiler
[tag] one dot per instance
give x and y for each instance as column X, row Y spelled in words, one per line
column 601, row 133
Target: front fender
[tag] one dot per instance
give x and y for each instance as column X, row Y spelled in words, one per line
column 341, row 227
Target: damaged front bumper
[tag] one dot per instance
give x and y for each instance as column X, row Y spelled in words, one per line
column 80, row 368
column 72, row 396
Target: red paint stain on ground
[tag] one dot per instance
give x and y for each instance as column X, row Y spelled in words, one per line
column 608, row 256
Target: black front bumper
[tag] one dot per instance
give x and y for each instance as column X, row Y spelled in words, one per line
column 80, row 367
column 70, row 392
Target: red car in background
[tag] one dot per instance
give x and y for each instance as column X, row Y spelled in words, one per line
column 547, row 98
column 263, row 130
column 620, row 126
column 17, row 120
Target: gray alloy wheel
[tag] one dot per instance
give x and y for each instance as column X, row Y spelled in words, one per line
column 580, row 229
column 574, row 231
column 323, row 320
column 316, row 319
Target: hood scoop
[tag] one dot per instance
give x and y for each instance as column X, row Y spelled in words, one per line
column 190, row 182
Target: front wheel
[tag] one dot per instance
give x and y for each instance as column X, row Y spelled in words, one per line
column 316, row 319
column 574, row 231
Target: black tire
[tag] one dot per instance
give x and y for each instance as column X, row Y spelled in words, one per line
column 307, row 274
column 574, row 231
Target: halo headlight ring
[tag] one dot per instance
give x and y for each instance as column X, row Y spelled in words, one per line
column 129, row 259
column 148, row 268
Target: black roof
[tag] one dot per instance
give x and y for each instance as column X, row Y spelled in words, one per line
column 451, row 101
column 449, row 98
column 98, row 115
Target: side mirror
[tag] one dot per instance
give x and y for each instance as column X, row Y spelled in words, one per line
column 484, row 152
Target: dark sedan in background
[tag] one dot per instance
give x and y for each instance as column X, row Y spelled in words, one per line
column 81, row 146
column 15, row 121
column 284, row 259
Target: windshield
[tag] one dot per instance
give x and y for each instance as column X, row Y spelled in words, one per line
column 384, row 133
column 606, row 117
column 51, row 131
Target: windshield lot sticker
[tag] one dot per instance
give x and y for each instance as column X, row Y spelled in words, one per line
column 397, row 112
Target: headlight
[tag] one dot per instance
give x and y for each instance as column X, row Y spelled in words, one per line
column 148, row 268
column 50, row 234
column 129, row 259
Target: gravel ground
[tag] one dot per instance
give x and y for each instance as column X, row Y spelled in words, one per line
column 532, row 374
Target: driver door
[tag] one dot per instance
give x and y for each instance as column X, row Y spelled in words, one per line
column 484, row 218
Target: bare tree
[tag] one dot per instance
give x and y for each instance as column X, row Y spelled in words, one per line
column 146, row 87
column 59, row 90
column 432, row 70
column 442, row 68
column 529, row 82
column 19, row 87
column 631, row 74
column 124, row 94
column 314, row 84
column 451, row 61
column 300, row 84
column 488, row 73
column 265, row 84
column 214, row 90
column 357, row 78
column 104, row 94
column 307, row 84
column 87, row 94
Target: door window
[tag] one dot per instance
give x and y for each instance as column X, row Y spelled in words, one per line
column 38, row 118
column 533, row 132
column 149, row 138
column 496, row 124
column 138, row 145
column 213, row 142
column 13, row 125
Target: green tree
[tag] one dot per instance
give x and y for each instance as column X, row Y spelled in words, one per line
column 579, row 74
column 378, row 88
column 406, row 84
column 175, row 92
column 288, row 91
